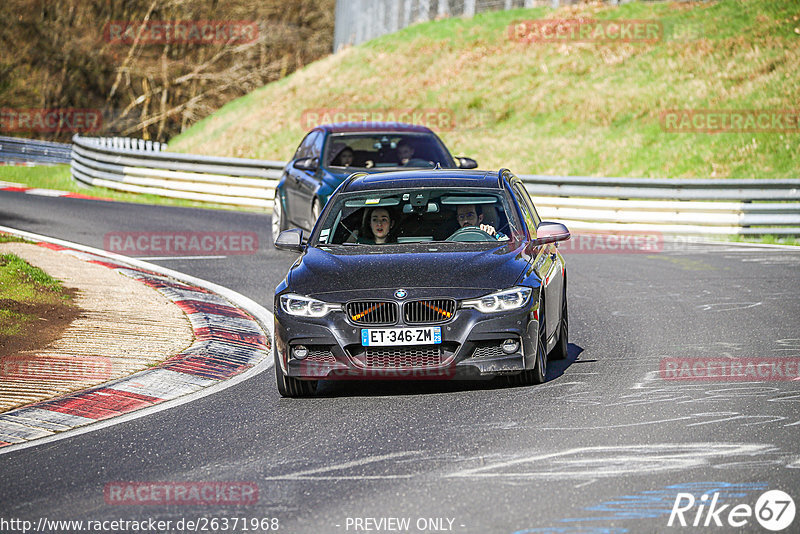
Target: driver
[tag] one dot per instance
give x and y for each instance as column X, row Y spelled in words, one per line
column 405, row 152
column 343, row 157
column 472, row 215
column 346, row 157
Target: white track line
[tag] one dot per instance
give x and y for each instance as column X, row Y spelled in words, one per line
column 262, row 315
column 742, row 244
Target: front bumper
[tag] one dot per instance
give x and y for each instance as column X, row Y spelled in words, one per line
column 471, row 347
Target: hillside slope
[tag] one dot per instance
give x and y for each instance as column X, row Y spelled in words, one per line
column 577, row 108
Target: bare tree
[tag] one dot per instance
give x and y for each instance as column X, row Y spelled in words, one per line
column 63, row 56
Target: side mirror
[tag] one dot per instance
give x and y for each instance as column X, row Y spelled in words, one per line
column 306, row 164
column 550, row 232
column 291, row 239
column 466, row 163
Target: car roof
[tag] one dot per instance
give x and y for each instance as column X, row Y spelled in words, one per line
column 424, row 178
column 372, row 126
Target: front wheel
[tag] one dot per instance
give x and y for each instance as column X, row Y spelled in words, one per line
column 538, row 374
column 292, row 387
column 278, row 220
column 560, row 351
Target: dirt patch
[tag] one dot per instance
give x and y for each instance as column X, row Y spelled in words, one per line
column 47, row 323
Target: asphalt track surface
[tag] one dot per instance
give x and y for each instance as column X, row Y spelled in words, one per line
column 605, row 445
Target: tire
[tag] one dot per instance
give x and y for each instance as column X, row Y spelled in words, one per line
column 560, row 351
column 538, row 374
column 278, row 220
column 292, row 387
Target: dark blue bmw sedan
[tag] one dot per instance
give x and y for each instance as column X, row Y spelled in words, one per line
column 427, row 274
column 329, row 153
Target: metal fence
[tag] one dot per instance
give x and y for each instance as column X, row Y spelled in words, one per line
column 16, row 150
column 126, row 164
column 702, row 207
column 358, row 21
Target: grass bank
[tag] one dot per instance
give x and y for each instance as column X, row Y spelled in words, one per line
column 576, row 108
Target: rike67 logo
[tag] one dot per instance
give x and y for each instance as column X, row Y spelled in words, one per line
column 774, row 510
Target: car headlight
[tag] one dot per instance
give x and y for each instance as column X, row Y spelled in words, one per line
column 306, row 306
column 507, row 299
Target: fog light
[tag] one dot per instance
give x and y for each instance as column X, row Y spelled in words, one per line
column 510, row 346
column 299, row 352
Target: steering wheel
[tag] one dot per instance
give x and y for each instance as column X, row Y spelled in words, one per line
column 470, row 233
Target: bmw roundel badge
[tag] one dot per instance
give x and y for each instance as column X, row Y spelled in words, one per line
column 401, row 293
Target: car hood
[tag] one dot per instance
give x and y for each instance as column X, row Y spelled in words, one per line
column 373, row 271
column 334, row 178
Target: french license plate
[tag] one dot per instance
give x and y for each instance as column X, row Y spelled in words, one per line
column 373, row 337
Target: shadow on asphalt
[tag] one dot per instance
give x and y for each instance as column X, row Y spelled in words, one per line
column 556, row 368
column 17, row 221
column 382, row 388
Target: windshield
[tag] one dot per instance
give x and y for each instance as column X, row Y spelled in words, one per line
column 385, row 150
column 420, row 215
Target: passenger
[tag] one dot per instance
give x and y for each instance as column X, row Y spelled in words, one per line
column 472, row 215
column 378, row 228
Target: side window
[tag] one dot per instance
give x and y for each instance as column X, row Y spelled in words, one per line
column 527, row 200
column 316, row 147
column 306, row 147
column 530, row 222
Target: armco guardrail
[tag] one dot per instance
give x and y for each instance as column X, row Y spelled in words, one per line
column 19, row 150
column 713, row 206
column 709, row 206
column 129, row 165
